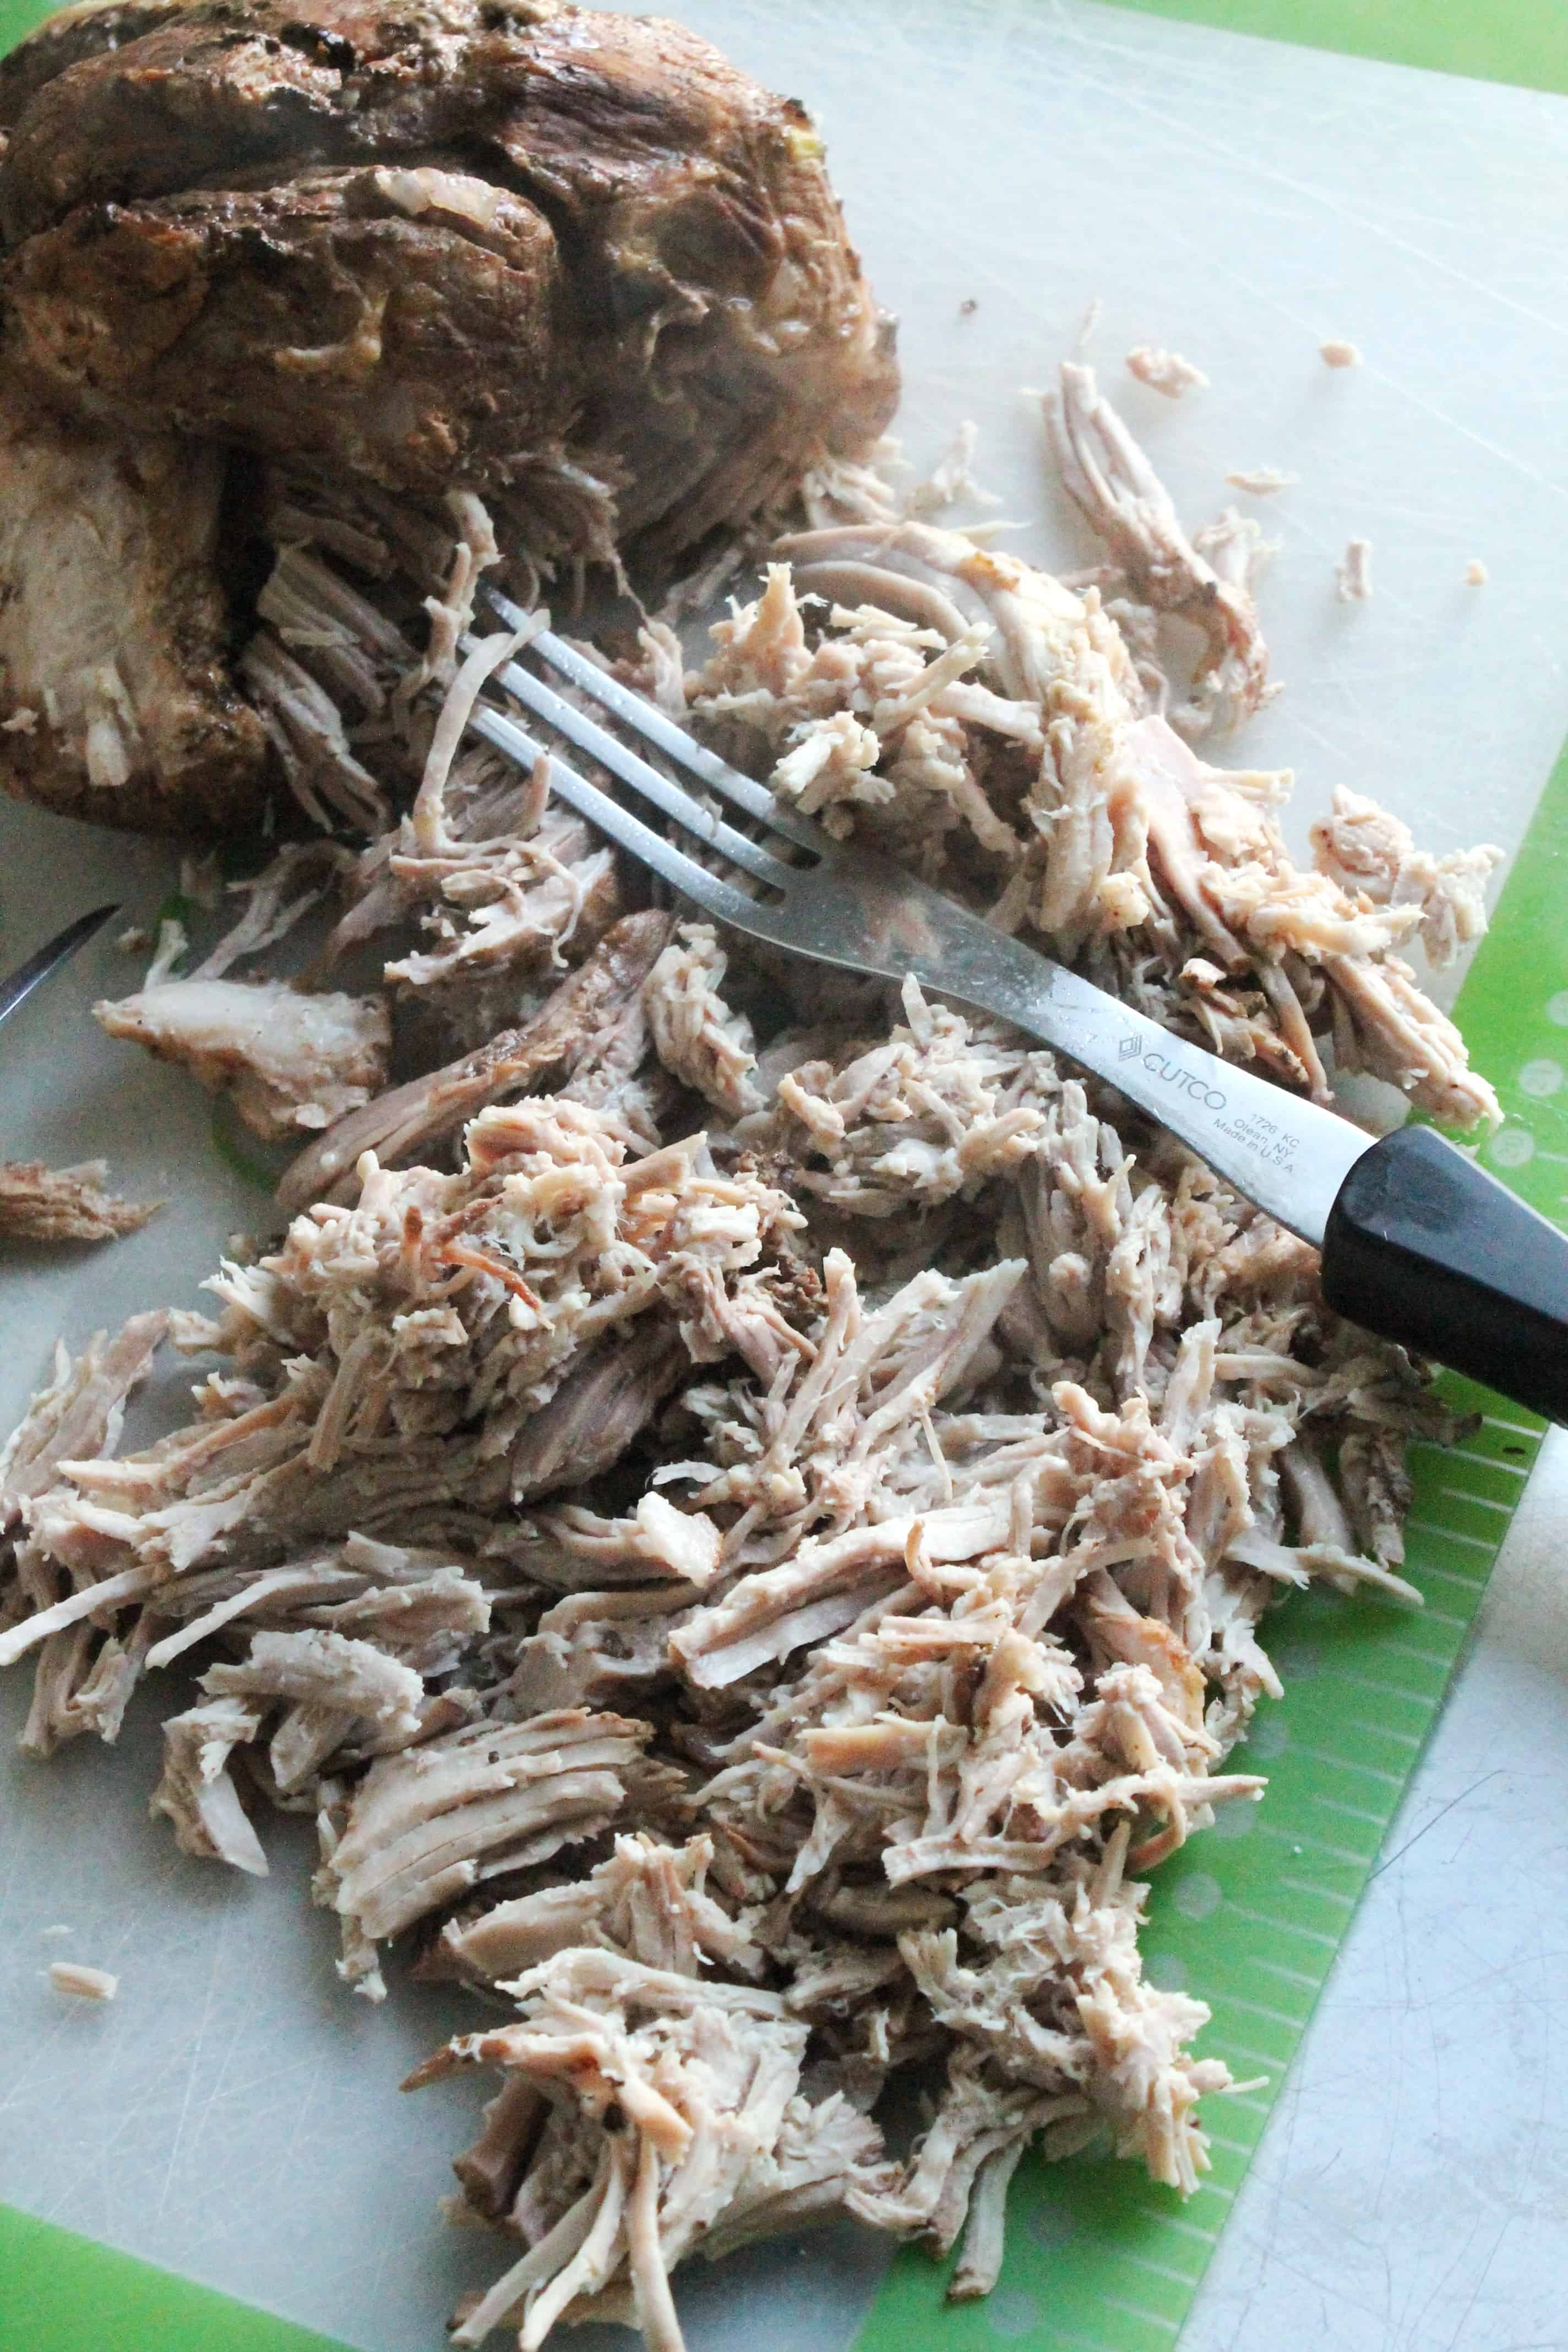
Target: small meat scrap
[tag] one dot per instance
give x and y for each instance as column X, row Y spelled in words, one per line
column 197, row 1790
column 951, row 478
column 1261, row 481
column 1336, row 353
column 645, row 2115
column 81, row 1983
column 942, row 1106
column 65, row 1204
column 648, row 1901
column 871, row 730
column 291, row 1061
column 1352, row 575
column 333, row 1692
column 1111, row 480
column 694, row 1033
column 1165, row 372
column 1237, row 548
column 576, row 1030
column 491, row 1799
column 1476, row 574
column 170, row 949
column 1370, row 852
column 78, row 1413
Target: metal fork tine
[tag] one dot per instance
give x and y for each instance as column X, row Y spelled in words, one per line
column 623, row 763
column 667, row 737
column 856, row 911
column 674, row 741
column 708, row 891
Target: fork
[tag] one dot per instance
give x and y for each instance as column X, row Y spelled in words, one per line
column 1418, row 1243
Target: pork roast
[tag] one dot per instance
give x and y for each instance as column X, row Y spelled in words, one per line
column 419, row 249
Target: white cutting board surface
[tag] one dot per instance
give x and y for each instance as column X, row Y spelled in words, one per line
column 235, row 2114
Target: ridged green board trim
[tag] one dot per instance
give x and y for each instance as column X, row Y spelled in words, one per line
column 1251, row 1915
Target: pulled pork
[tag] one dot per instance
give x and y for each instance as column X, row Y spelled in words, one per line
column 65, row 1204
column 291, row 1060
column 992, row 726
column 745, row 1505
column 770, row 1670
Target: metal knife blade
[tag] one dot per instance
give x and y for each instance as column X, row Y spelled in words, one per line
column 57, row 951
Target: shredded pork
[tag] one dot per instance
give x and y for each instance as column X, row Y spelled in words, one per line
column 745, row 1505
column 770, row 1670
column 65, row 1204
column 1353, row 574
column 992, row 726
column 1124, row 501
column 1165, row 372
column 84, row 1983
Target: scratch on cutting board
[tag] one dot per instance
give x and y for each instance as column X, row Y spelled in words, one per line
column 1415, row 2333
column 1257, row 169
column 192, row 2064
column 100, row 2162
column 1443, row 1810
column 1294, row 2270
column 1475, row 2295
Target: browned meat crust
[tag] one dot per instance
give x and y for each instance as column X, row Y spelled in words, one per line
column 648, row 233
column 405, row 325
column 70, row 34
column 576, row 263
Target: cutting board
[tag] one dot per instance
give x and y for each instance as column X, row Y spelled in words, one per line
column 234, row 2116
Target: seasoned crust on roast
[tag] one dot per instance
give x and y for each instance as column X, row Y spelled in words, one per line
column 65, row 37
column 319, row 319
column 572, row 262
column 714, row 312
column 702, row 224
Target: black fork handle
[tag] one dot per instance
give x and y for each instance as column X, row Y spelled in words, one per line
column 1424, row 1247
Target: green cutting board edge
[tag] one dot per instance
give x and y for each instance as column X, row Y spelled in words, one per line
column 1098, row 2259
